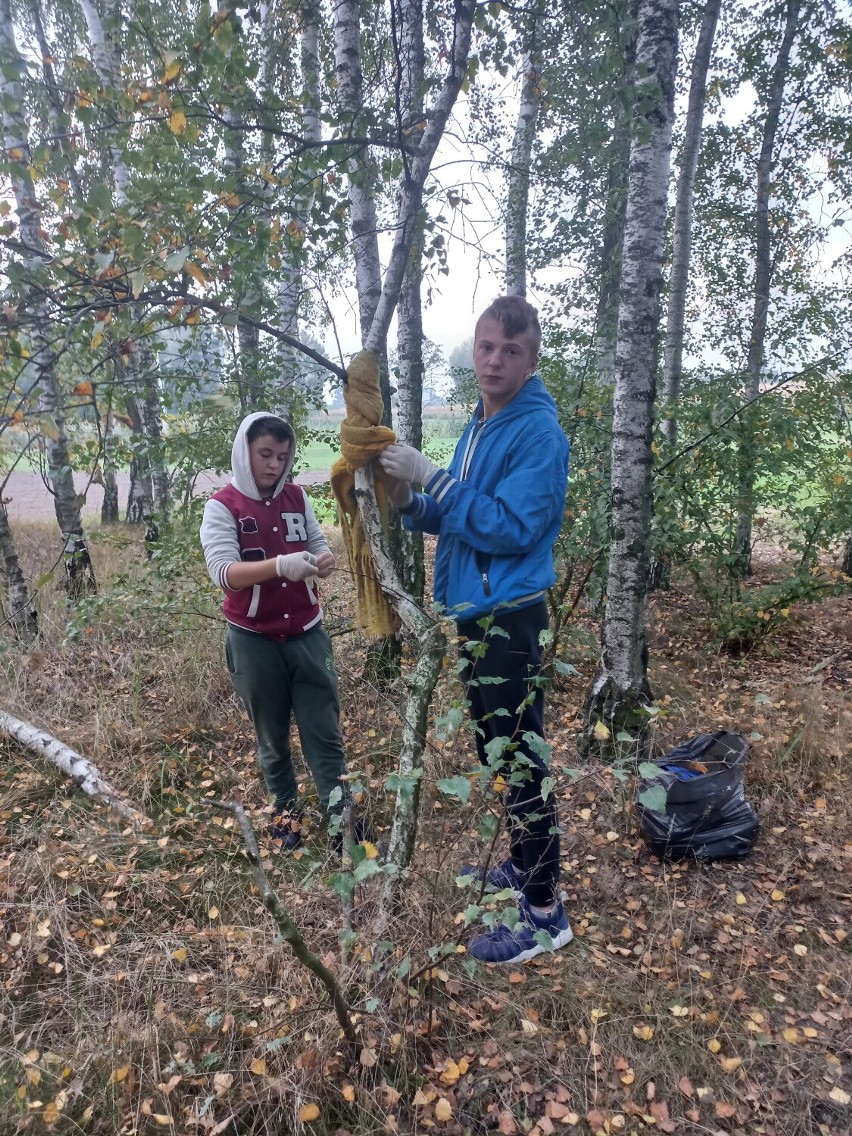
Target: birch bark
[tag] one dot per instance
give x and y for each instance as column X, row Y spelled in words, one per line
column 620, row 689
column 22, row 616
column 410, row 66
column 518, row 190
column 41, row 374
column 682, row 239
column 71, row 763
column 291, row 283
column 741, row 551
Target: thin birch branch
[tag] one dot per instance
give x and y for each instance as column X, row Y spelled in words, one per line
column 289, row 931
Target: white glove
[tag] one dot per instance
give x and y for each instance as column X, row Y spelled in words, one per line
column 407, row 464
column 400, row 493
column 296, row 566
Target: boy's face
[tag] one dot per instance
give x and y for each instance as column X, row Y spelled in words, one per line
column 269, row 459
column 502, row 363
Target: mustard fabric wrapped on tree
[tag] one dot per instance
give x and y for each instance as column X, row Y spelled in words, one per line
column 361, row 439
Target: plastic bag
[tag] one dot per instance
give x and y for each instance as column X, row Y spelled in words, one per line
column 707, row 815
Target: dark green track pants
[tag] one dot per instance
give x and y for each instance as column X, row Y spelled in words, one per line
column 276, row 680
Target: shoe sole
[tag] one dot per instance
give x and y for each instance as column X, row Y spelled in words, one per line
column 561, row 940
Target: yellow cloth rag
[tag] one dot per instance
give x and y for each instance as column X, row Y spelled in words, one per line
column 361, row 438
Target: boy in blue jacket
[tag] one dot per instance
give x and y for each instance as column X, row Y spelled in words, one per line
column 497, row 511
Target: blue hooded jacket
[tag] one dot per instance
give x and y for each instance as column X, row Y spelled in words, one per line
column 498, row 509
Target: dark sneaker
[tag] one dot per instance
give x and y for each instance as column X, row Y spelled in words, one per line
column 498, row 878
column 361, row 831
column 519, row 943
column 287, row 827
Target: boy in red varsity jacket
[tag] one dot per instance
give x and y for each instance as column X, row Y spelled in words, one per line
column 265, row 549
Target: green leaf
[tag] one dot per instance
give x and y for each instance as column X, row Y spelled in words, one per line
column 175, row 261
column 654, row 798
column 455, row 787
column 564, row 668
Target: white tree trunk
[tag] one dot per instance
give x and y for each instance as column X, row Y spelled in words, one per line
column 84, row 772
column 290, row 283
column 520, row 160
column 411, row 67
column 620, row 687
column 40, row 372
column 762, row 285
column 21, row 615
column 682, row 240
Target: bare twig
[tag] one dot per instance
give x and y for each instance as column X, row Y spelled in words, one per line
column 289, row 931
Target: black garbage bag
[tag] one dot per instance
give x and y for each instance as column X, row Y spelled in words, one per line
column 707, row 815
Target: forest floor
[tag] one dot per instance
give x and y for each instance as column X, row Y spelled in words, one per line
column 143, row 987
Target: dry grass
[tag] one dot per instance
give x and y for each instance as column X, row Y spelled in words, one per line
column 142, row 988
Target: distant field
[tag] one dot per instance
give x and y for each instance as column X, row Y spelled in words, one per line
column 442, row 428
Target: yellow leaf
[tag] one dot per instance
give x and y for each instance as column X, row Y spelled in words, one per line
column 644, row 1033
column 309, row 1112
column 16, row 155
column 680, row 1011
column 163, row 1119
column 741, row 899
column 451, row 1073
column 177, row 122
column 443, row 1110
column 499, row 784
column 193, row 318
column 230, row 200
column 258, row 1066
column 601, row 732
column 118, row 1075
column 714, row 1045
column 839, row 1095
column 97, row 339
column 597, row 1014
column 195, row 272
column 50, row 1114
column 180, row 954
column 171, row 71
column 729, row 1064
column 791, row 1035
column 213, row 913
column 777, row 895
column 800, row 949
column 101, row 950
column 348, row 1092
column 370, row 850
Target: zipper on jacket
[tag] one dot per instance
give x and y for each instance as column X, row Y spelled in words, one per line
column 482, row 563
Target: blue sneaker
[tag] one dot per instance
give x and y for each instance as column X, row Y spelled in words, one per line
column 498, row 878
column 519, row 943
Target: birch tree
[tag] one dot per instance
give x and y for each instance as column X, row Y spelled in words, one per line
column 520, row 158
column 741, row 552
column 682, row 237
column 40, row 374
column 151, row 492
column 620, row 690
column 410, row 62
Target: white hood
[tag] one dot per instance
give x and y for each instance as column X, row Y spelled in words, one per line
column 241, row 476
